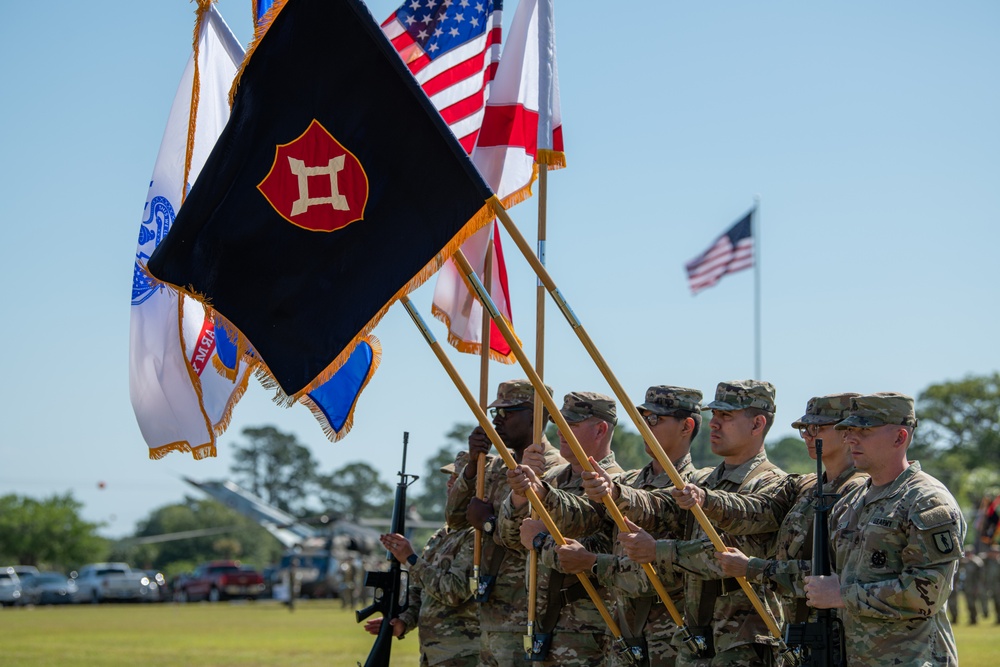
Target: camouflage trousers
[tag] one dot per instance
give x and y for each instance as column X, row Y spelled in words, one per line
column 464, row 661
column 502, row 649
column 579, row 649
column 660, row 652
column 748, row 655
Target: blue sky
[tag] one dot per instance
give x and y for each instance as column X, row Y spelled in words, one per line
column 869, row 131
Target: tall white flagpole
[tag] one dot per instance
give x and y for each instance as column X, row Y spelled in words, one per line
column 755, row 230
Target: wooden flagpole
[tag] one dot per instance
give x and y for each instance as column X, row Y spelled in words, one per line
column 505, row 454
column 561, row 423
column 616, row 387
column 538, row 425
column 484, row 399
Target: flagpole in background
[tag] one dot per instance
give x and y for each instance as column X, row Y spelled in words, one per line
column 619, row 392
column 756, row 287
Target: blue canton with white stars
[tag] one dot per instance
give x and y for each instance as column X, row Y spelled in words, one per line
column 438, row 26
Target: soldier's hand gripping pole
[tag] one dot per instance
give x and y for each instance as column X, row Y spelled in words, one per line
column 623, row 398
column 508, row 458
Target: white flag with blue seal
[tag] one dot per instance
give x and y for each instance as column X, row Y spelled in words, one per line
column 181, row 398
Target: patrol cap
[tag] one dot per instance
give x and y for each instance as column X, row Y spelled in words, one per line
column 580, row 405
column 825, row 410
column 743, row 394
column 667, row 400
column 460, row 460
column 515, row 392
column 880, row 409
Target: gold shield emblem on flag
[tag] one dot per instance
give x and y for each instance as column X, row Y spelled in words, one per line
column 316, row 183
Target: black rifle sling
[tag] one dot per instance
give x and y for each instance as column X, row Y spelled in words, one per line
column 711, row 589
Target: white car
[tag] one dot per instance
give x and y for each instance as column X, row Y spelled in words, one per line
column 101, row 582
column 10, row 587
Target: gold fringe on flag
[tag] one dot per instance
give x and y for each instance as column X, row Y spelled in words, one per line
column 258, row 34
column 554, row 159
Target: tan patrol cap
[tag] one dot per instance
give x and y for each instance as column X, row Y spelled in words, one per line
column 459, row 464
column 666, row 400
column 825, row 410
column 743, row 394
column 515, row 392
column 880, row 409
column 580, row 405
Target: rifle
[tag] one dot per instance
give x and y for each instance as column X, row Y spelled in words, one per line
column 819, row 643
column 391, row 588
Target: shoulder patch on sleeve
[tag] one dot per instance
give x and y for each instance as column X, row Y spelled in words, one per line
column 933, row 517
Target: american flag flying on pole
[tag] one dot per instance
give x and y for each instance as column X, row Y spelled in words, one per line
column 452, row 47
column 180, row 399
column 522, row 127
column 731, row 252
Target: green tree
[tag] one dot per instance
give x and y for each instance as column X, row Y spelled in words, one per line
column 962, row 417
column 791, row 455
column 276, row 467
column 47, row 532
column 629, row 448
column 959, row 431
column 433, row 489
column 355, row 491
column 213, row 530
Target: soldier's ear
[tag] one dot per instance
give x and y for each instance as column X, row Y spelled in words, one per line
column 687, row 427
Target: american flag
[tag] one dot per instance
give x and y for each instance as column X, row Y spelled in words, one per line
column 452, row 47
column 731, row 252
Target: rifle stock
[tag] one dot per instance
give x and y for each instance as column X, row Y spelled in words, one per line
column 391, row 594
column 819, row 643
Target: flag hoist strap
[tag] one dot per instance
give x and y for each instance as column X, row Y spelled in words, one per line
column 497, row 555
column 559, row 595
column 643, row 606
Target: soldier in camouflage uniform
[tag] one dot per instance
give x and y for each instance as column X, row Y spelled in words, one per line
column 579, row 633
column 991, row 579
column 973, row 581
column 674, row 417
column 791, row 509
column 440, row 602
column 897, row 541
column 503, row 606
column 716, row 609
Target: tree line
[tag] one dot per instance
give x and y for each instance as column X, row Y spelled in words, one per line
column 957, row 441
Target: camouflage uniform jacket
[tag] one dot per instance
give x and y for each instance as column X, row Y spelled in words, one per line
column 507, row 608
column 626, row 578
column 743, row 514
column 734, row 622
column 896, row 555
column 441, row 605
column 577, row 518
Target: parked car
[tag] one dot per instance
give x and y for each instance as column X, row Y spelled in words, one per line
column 10, row 587
column 47, row 588
column 219, row 580
column 158, row 591
column 100, row 582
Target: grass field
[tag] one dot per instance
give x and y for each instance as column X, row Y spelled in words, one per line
column 259, row 634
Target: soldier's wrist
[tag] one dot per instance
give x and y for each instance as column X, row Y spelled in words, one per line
column 755, row 569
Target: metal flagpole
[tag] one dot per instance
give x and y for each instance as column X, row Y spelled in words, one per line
column 616, row 387
column 505, row 454
column 755, row 230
